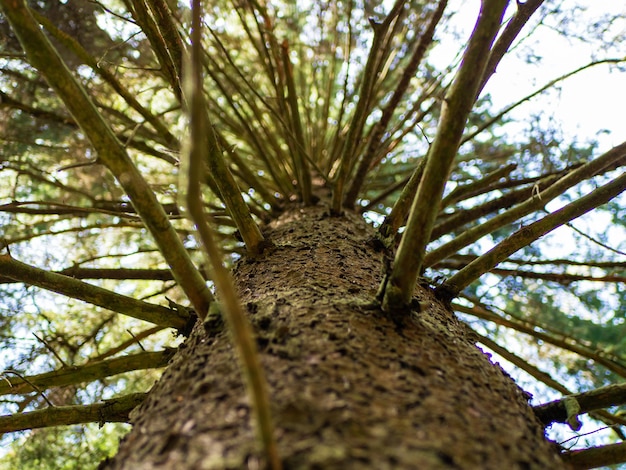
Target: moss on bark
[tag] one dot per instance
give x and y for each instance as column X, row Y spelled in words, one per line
column 351, row 388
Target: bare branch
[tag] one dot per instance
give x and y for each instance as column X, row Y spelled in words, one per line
column 115, row 410
column 532, row 232
column 299, row 152
column 562, row 278
column 377, row 51
column 612, row 363
column 110, row 78
column 238, row 324
column 455, row 111
column 605, row 397
column 104, row 298
column 524, row 11
column 595, row 457
column 87, row 373
column 170, row 64
column 533, row 203
column 381, row 126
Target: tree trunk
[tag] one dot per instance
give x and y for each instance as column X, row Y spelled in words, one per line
column 350, row 387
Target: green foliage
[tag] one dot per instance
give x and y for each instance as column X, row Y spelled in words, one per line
column 63, row 448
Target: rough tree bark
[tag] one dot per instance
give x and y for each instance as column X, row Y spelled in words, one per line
column 350, row 387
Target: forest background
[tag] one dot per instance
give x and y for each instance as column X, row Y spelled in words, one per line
column 554, row 312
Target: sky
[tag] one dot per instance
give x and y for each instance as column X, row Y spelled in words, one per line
column 586, row 104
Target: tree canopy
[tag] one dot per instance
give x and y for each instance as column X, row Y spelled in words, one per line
column 144, row 145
